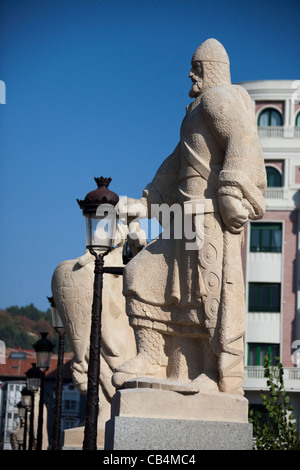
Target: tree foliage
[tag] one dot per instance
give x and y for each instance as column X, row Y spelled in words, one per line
column 278, row 431
column 30, row 311
column 20, row 327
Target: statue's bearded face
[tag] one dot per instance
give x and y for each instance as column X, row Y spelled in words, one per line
column 196, row 75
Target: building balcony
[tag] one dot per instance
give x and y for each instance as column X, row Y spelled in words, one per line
column 278, row 132
column 275, row 193
column 282, row 198
column 297, row 132
column 270, row 131
column 255, row 380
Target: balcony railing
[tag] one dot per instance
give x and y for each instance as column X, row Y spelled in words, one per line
column 278, row 132
column 275, row 193
column 254, row 372
column 270, row 131
column 254, row 378
column 293, row 373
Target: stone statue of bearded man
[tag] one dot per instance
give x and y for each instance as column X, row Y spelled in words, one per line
column 187, row 306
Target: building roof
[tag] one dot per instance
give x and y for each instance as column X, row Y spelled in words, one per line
column 18, row 361
column 272, row 89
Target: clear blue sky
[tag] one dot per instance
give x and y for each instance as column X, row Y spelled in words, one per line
column 99, row 88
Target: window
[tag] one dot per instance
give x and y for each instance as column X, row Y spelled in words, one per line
column 266, row 237
column 270, row 117
column 70, row 401
column 12, row 421
column 260, row 412
column 297, row 122
column 258, row 351
column 274, row 177
column 68, row 423
column 70, row 405
column 18, row 355
column 264, row 297
column 263, row 415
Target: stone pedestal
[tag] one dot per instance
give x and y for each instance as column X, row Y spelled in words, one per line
column 146, row 419
column 73, row 438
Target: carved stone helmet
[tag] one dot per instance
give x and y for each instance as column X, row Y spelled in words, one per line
column 215, row 63
column 211, row 50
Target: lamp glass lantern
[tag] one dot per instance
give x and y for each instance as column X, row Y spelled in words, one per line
column 26, row 397
column 33, row 378
column 21, row 410
column 100, row 228
column 43, row 348
column 56, row 319
column 99, row 212
column 33, row 384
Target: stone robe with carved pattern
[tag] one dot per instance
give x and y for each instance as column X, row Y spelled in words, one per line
column 177, row 290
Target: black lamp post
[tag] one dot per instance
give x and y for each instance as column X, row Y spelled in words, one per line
column 98, row 208
column 26, row 397
column 22, row 415
column 43, row 348
column 59, row 328
column 33, row 384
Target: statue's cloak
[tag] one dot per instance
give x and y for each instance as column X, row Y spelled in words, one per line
column 171, row 285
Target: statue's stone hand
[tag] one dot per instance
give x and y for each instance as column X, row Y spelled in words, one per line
column 137, row 239
column 233, row 213
column 79, row 375
column 131, row 208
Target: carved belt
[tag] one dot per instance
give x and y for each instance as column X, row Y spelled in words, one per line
column 199, row 205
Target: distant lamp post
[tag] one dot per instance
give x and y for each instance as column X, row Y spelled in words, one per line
column 43, row 349
column 33, row 384
column 59, row 328
column 22, row 412
column 26, row 398
column 98, row 209
column 56, row 319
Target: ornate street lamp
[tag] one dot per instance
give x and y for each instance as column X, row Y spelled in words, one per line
column 26, row 396
column 43, row 349
column 33, row 384
column 21, row 410
column 56, row 320
column 98, row 209
column 22, row 413
column 59, row 328
column 33, row 378
column 26, row 399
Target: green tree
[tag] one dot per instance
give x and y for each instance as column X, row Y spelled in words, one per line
column 8, row 334
column 29, row 311
column 13, row 337
column 20, row 327
column 277, row 431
